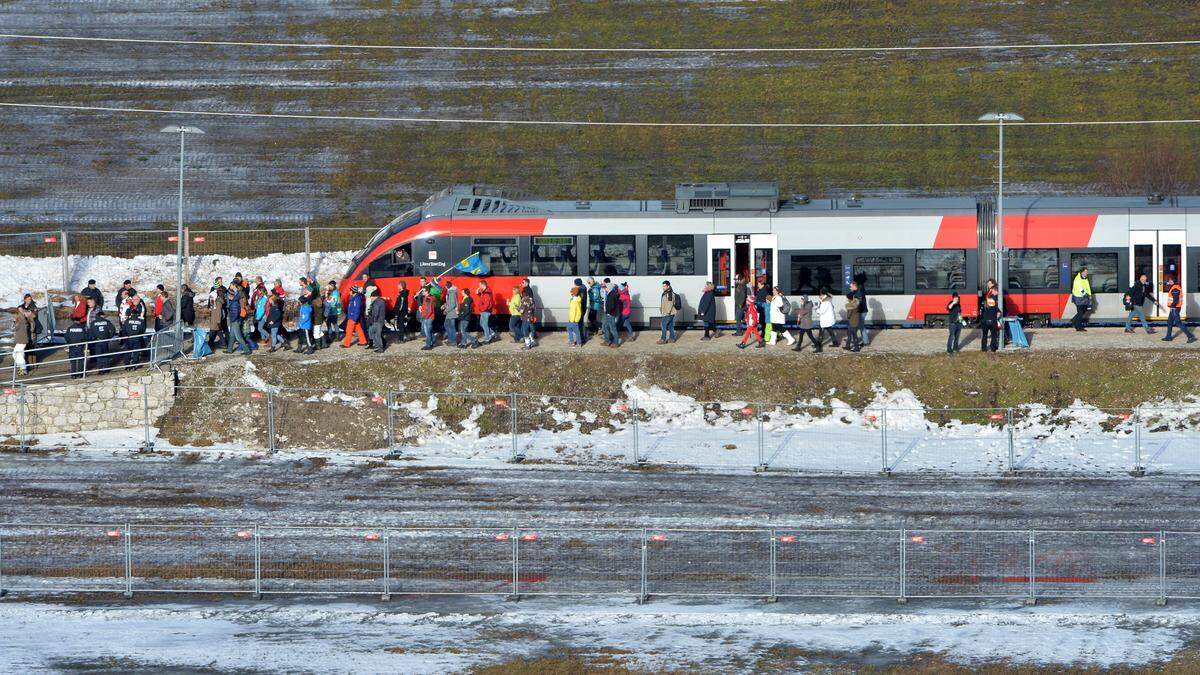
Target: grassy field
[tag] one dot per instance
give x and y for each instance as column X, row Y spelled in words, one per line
column 359, row 173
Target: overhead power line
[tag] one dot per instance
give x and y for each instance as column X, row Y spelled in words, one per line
column 583, row 123
column 633, row 50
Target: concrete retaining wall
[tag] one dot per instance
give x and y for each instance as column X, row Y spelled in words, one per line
column 117, row 402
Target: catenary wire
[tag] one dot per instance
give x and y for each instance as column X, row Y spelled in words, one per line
column 583, row 123
column 635, row 50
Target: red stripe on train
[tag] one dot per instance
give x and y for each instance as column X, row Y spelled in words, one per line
column 1049, row 231
column 957, row 232
column 1054, row 304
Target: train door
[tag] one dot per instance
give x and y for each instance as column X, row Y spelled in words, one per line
column 1162, row 256
column 732, row 255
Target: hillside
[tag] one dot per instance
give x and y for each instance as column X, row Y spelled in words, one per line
column 80, row 169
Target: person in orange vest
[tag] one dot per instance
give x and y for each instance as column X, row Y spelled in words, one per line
column 1175, row 305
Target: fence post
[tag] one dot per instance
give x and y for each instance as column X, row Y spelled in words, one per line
column 128, row 562
column 883, row 452
column 642, row 597
column 257, row 564
column 772, row 597
column 307, row 252
column 762, row 462
column 390, row 400
column 66, row 263
column 387, row 567
column 637, row 458
column 270, row 421
column 903, row 567
column 3, row 592
column 1138, row 469
column 1012, row 454
column 1162, row 569
column 1032, row 599
column 22, row 414
column 515, row 535
column 187, row 254
column 147, row 442
column 517, row 455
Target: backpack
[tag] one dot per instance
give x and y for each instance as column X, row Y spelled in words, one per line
column 785, row 307
column 678, row 302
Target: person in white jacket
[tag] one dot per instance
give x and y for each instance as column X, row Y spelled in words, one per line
column 826, row 317
column 779, row 317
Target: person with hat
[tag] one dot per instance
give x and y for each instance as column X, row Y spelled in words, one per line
column 355, row 309
column 90, row 291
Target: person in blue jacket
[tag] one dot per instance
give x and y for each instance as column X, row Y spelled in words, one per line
column 354, row 318
column 234, row 304
column 305, row 324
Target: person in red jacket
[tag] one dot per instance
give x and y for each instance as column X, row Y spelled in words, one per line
column 81, row 308
column 484, row 301
column 752, row 324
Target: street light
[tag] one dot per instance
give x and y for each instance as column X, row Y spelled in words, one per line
column 1000, row 119
column 182, row 131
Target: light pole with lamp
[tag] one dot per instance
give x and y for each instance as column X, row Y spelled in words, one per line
column 1000, row 119
column 183, row 131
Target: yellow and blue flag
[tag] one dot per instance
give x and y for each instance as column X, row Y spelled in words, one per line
column 472, row 264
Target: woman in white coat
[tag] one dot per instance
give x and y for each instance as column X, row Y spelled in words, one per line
column 826, row 317
column 779, row 317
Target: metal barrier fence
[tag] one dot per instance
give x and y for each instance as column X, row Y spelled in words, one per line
column 639, row 563
column 54, row 360
column 283, row 253
column 574, row 430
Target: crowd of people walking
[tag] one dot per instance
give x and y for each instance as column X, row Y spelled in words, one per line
column 247, row 314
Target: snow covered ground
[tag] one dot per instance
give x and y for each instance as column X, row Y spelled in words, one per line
column 445, row 635
column 20, row 275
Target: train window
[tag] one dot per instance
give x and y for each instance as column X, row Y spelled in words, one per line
column 722, row 272
column 671, row 254
column 395, row 263
column 1032, row 268
column 811, row 273
column 553, row 256
column 1102, row 270
column 941, row 268
column 611, row 255
column 882, row 274
column 500, row 254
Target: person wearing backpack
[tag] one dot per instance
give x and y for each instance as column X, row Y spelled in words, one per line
column 668, row 305
column 466, row 308
column 612, row 315
column 595, row 304
column 826, row 318
column 426, row 313
column 23, row 336
column 235, row 311
column 1135, row 301
column 804, row 319
column 781, row 309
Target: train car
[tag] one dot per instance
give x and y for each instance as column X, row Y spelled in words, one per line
column 911, row 254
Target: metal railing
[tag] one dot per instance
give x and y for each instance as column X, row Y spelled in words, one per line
column 515, row 427
column 513, row 561
column 99, row 357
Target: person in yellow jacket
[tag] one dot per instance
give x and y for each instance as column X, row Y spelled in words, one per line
column 574, row 315
column 514, row 315
column 1081, row 295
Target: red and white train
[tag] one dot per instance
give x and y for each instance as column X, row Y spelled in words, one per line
column 911, row 253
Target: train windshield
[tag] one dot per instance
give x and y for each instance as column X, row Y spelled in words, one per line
column 406, row 220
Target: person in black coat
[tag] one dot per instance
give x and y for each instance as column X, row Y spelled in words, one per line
column 77, row 336
column 989, row 324
column 187, row 306
column 101, row 334
column 92, row 292
column 706, row 311
column 400, row 313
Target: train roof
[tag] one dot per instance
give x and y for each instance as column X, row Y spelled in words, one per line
column 707, row 199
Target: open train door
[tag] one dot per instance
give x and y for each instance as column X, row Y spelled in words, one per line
column 730, row 255
column 1161, row 255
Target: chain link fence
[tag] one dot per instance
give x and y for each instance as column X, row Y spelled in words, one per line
column 1029, row 565
column 645, row 433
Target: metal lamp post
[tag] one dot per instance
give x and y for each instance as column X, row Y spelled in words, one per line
column 183, row 132
column 1000, row 119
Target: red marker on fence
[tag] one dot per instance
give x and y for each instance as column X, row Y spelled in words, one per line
column 10, row 392
column 658, row 537
column 917, row 539
column 51, row 240
column 747, row 410
column 503, row 536
column 377, row 399
column 787, row 539
column 1149, row 541
column 113, row 533
column 1124, row 416
column 198, row 240
column 870, row 418
column 256, row 394
column 501, row 402
column 133, row 393
column 621, row 407
column 529, row 536
column 244, row 534
column 173, row 238
column 998, row 416
column 372, row 536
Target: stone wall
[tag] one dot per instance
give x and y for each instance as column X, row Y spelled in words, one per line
column 116, row 402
